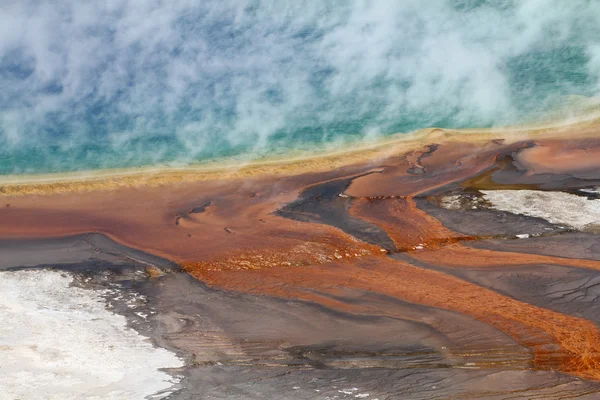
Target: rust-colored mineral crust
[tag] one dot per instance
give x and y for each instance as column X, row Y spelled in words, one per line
column 359, row 227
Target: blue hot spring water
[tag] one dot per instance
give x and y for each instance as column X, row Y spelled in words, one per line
column 123, row 84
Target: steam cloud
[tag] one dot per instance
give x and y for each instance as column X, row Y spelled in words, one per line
column 127, row 82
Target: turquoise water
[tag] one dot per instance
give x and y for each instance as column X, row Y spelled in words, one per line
column 121, row 85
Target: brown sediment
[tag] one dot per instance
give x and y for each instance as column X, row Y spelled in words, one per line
column 560, row 156
column 559, row 341
column 407, row 225
column 451, row 162
column 318, row 229
column 415, row 158
column 145, row 218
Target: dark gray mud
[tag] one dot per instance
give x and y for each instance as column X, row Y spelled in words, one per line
column 325, row 203
column 242, row 346
column 486, row 222
column 220, row 383
column 200, row 209
column 580, row 245
column 570, row 291
column 85, row 251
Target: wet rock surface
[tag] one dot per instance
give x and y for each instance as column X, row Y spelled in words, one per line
column 403, row 283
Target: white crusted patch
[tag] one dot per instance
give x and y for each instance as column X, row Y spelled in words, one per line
column 60, row 342
column 556, row 207
column 451, row 202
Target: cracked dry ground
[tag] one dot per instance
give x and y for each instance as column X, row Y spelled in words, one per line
column 358, row 281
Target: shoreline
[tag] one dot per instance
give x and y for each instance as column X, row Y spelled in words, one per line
column 328, row 237
column 350, row 154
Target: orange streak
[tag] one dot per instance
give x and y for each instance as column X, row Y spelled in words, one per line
column 559, row 341
column 406, row 224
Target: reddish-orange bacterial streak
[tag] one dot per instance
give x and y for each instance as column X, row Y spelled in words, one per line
column 239, row 242
column 559, row 341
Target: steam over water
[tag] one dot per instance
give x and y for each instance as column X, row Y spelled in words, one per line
column 122, row 83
